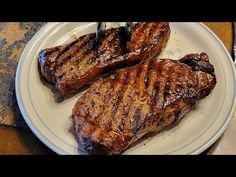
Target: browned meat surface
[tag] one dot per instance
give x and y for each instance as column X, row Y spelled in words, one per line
column 117, row 111
column 73, row 65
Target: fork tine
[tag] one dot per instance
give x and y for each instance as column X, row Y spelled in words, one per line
column 129, row 29
column 98, row 30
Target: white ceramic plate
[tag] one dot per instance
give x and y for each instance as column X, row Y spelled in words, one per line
column 50, row 121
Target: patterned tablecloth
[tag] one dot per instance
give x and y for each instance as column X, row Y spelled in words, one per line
column 13, row 39
column 15, row 36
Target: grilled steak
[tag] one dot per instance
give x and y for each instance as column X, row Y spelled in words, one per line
column 117, row 111
column 73, row 65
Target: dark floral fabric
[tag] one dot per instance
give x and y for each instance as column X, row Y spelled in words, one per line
column 14, row 37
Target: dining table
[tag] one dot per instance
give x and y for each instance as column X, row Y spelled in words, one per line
column 16, row 138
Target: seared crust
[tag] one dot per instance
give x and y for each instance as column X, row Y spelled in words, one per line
column 73, row 65
column 117, row 111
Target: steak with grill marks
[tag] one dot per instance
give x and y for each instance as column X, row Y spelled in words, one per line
column 73, row 65
column 117, row 111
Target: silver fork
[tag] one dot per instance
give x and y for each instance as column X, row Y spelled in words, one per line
column 99, row 27
column 234, row 47
column 102, row 25
column 129, row 29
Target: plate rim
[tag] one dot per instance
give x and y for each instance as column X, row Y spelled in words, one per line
column 229, row 118
column 23, row 111
column 59, row 150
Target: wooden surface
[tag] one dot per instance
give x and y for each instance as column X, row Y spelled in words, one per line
column 16, row 141
column 15, row 136
column 226, row 144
